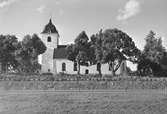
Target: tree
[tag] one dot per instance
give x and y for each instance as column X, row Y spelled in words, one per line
column 81, row 59
column 144, row 66
column 153, row 49
column 164, row 61
column 78, row 52
column 117, row 46
column 71, row 52
column 96, row 44
column 91, row 52
column 8, row 46
column 164, row 64
column 27, row 53
column 38, row 45
column 153, row 53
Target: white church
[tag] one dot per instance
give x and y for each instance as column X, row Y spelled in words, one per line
column 55, row 61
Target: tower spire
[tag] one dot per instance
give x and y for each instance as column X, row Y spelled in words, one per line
column 50, row 17
column 50, row 28
column 50, row 20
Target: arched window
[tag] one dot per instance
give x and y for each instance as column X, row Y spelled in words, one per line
column 110, row 66
column 75, row 66
column 63, row 66
column 49, row 39
column 98, row 66
column 86, row 71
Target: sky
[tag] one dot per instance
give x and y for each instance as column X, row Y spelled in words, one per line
column 135, row 17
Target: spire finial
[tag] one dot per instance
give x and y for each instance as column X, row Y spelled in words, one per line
column 50, row 20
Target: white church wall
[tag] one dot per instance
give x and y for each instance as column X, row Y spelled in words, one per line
column 47, row 57
column 132, row 66
column 47, row 61
column 70, row 68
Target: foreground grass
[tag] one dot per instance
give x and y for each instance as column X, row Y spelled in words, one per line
column 90, row 102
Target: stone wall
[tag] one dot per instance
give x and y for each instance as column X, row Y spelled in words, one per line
column 83, row 85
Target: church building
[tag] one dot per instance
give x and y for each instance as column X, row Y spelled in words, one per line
column 55, row 61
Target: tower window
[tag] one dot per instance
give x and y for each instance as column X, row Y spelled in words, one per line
column 49, row 39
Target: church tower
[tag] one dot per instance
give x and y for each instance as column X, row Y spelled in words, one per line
column 50, row 37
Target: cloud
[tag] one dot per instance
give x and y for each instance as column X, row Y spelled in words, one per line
column 41, row 8
column 4, row 3
column 58, row 2
column 131, row 8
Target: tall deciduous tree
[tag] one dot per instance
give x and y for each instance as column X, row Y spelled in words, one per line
column 71, row 52
column 118, row 46
column 27, row 53
column 96, row 44
column 78, row 52
column 8, row 46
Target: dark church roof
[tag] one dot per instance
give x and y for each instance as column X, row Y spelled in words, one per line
column 50, row 28
column 60, row 52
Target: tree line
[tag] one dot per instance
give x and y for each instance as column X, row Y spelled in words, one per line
column 113, row 46
column 20, row 56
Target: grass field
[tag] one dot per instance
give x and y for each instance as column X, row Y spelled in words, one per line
column 84, row 102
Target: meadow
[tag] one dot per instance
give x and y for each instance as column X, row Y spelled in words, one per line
column 84, row 102
column 84, row 95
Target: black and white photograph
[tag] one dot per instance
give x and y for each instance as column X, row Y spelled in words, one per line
column 83, row 56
